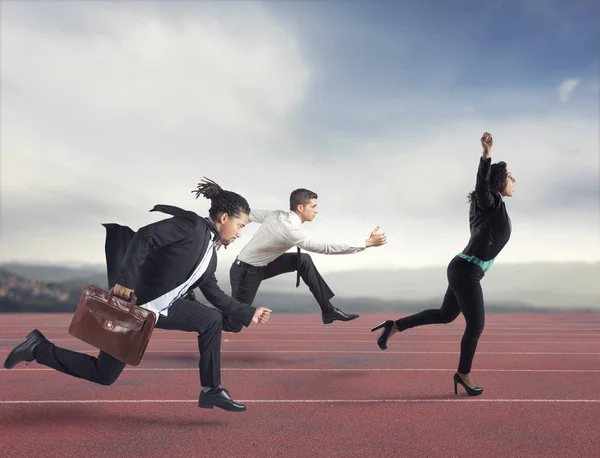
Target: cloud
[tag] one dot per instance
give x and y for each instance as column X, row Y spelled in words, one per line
column 140, row 99
column 566, row 89
column 107, row 112
column 201, row 77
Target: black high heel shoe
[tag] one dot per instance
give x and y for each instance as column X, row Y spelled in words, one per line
column 387, row 326
column 470, row 391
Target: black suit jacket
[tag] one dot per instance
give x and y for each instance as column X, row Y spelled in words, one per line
column 163, row 255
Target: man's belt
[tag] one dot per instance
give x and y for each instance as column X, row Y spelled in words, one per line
column 245, row 265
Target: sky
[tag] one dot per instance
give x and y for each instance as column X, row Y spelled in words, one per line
column 110, row 108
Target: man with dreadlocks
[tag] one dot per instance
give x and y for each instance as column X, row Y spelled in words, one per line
column 161, row 263
column 264, row 256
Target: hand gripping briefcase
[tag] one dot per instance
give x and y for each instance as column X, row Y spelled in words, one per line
column 112, row 324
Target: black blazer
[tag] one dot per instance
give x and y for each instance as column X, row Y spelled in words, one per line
column 163, row 255
column 488, row 219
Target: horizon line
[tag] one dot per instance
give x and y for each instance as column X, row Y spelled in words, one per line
column 74, row 264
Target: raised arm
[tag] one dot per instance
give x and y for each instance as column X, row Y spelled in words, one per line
column 483, row 194
column 259, row 216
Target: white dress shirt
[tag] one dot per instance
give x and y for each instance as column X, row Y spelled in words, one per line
column 160, row 305
column 282, row 230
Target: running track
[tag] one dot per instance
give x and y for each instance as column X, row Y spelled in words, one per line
column 314, row 390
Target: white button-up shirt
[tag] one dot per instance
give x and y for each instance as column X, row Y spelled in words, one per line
column 160, row 305
column 282, row 230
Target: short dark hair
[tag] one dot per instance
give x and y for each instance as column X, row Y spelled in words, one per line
column 498, row 177
column 301, row 197
column 222, row 201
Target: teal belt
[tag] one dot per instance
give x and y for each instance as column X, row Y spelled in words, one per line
column 485, row 265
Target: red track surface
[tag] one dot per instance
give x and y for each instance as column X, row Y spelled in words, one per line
column 316, row 390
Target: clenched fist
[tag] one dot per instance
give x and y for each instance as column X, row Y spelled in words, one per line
column 487, row 142
column 261, row 315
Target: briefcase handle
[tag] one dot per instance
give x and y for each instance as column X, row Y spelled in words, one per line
column 133, row 298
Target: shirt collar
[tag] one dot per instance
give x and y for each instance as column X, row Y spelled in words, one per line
column 213, row 228
column 295, row 218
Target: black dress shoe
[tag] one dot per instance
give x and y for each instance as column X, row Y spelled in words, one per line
column 219, row 398
column 337, row 314
column 470, row 391
column 24, row 351
column 387, row 326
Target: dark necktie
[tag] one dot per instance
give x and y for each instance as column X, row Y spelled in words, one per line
column 298, row 268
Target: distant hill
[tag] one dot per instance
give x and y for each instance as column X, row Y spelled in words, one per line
column 51, row 273
column 516, row 287
column 549, row 285
column 19, row 293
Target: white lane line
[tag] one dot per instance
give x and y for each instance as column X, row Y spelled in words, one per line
column 458, row 332
column 403, row 352
column 334, row 329
column 333, row 370
column 399, row 340
column 22, row 334
column 489, row 325
column 376, row 352
column 481, row 342
column 356, row 325
column 297, row 401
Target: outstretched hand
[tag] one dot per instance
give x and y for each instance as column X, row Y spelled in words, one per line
column 261, row 315
column 376, row 239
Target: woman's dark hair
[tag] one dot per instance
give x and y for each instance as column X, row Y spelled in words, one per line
column 222, row 201
column 498, row 177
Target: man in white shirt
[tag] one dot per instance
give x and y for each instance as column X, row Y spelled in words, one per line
column 264, row 256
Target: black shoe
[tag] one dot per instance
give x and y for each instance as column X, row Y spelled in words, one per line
column 337, row 314
column 220, row 398
column 387, row 326
column 24, row 351
column 470, row 391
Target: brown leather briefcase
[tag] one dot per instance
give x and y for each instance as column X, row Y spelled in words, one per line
column 112, row 324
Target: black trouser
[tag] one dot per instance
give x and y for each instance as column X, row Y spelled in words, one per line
column 245, row 280
column 464, row 294
column 184, row 315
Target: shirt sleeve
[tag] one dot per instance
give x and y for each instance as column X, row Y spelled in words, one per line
column 484, row 196
column 259, row 216
column 299, row 237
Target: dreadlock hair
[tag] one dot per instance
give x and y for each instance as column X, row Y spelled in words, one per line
column 498, row 177
column 222, row 201
column 301, row 197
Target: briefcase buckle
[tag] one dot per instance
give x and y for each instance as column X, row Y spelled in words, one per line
column 109, row 324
